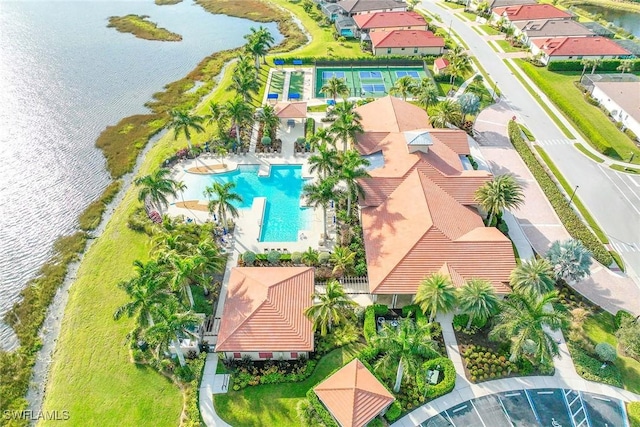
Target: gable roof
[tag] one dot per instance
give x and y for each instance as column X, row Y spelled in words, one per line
column 389, row 20
column 291, row 110
column 553, row 28
column 579, row 46
column 619, row 93
column 355, row 6
column 531, row 11
column 405, row 38
column 501, row 3
column 264, row 310
column 441, row 63
column 353, row 395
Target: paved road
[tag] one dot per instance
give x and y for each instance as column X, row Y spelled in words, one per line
column 612, row 198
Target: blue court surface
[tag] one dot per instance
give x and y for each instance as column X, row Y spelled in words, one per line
column 326, row 75
column 370, row 75
column 373, row 88
column 413, row 74
column 535, row 408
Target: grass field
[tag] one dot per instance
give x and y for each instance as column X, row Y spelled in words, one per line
column 275, row 404
column 506, row 46
column 489, row 30
column 592, row 123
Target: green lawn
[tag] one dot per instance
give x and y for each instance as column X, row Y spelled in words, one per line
column 449, row 5
column 468, row 16
column 600, row 328
column 592, row 123
column 506, row 46
column 275, row 404
column 490, row 30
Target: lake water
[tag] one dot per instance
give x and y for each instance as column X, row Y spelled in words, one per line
column 628, row 20
column 65, row 76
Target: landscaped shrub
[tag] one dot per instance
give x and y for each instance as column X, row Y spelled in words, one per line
column 324, row 257
column 394, row 411
column 633, row 411
column 485, row 364
column 621, row 314
column 572, row 222
column 324, row 414
column 448, row 372
column 460, row 322
column 592, row 369
column 376, row 422
column 273, row 257
column 370, row 315
column 605, row 65
column 309, row 128
column 251, row 373
column 296, row 257
column 606, row 352
column 249, row 258
column 414, row 311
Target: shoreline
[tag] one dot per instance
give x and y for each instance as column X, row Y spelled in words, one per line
column 52, row 326
column 142, row 28
column 607, row 4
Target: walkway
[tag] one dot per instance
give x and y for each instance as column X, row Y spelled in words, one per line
column 537, row 218
column 565, row 377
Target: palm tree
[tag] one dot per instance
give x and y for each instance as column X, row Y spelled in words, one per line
column 310, row 257
column 334, row 87
column 184, row 122
column 321, row 193
column 180, row 274
column 181, row 187
column 258, row 43
column 322, row 138
column 447, row 111
column 595, row 63
column 570, row 260
column 502, row 192
column 477, row 86
column 324, row 161
column 147, row 290
column 216, row 115
column 625, row 65
column 346, row 127
column 404, row 86
column 208, row 258
column 534, row 275
column 469, row 105
column 435, row 293
column 459, row 67
column 156, row 187
column 244, row 84
column 406, row 345
column 172, row 323
column 352, row 167
column 478, row 299
column 427, row 93
column 586, row 63
column 221, row 200
column 239, row 112
column 270, row 120
column 525, row 319
column 332, row 307
column 343, row 259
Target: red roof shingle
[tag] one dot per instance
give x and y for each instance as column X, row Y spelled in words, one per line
column 531, row 11
column 405, row 38
column 264, row 310
column 353, row 395
column 389, row 20
column 579, row 46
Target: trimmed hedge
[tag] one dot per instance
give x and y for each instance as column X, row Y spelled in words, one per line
column 394, row 411
column 324, row 414
column 620, row 315
column 370, row 314
column 574, row 225
column 443, row 387
column 414, row 311
column 309, row 128
column 633, row 411
column 605, row 65
column 589, row 368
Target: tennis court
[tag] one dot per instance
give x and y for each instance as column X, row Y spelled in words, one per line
column 363, row 82
column 534, row 408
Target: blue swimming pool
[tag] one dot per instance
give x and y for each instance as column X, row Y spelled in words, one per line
column 283, row 216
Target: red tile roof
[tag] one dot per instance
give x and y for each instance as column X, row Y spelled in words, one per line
column 405, row 38
column 264, row 310
column 389, row 20
column 390, row 114
column 418, row 217
column 291, row 110
column 579, row 46
column 353, row 395
column 441, row 63
column 531, row 11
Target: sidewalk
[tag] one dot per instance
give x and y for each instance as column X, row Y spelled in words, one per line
column 565, row 377
column 536, row 217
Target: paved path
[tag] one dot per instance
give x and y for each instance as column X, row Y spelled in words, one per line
column 537, row 218
column 613, row 198
column 565, row 377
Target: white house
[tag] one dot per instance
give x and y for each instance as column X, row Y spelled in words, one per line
column 621, row 100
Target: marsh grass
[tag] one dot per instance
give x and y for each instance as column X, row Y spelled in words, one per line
column 90, row 218
column 142, row 28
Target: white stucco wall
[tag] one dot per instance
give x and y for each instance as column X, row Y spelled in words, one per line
column 409, row 51
column 277, row 355
column 612, row 107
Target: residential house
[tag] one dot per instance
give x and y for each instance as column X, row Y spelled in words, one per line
column 563, row 48
column 358, row 7
column 390, row 21
column 347, row 27
column 263, row 316
column 332, row 11
column 622, row 100
column 440, row 66
column 418, row 215
column 598, row 29
column 406, row 42
column 527, row 12
column 473, row 4
column 547, row 28
column 353, row 395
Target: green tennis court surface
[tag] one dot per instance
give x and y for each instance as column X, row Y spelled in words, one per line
column 366, row 81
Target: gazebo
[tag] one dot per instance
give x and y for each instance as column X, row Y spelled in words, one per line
column 291, row 112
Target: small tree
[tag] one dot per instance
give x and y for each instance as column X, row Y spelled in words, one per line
column 273, row 257
column 249, row 257
column 629, row 336
column 570, row 260
column 606, row 352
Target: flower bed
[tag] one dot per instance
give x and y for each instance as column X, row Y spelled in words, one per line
column 247, row 372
